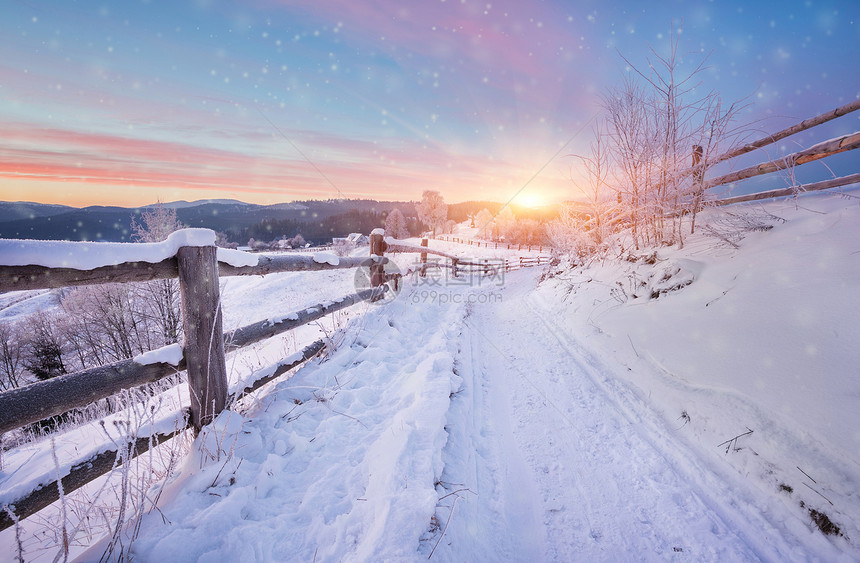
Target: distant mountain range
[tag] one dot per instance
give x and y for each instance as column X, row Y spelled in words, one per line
column 317, row 221
column 234, row 218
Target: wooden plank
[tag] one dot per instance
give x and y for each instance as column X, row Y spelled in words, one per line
column 823, row 185
column 308, row 352
column 779, row 135
column 79, row 475
column 774, row 137
column 816, row 152
column 201, row 324
column 258, row 331
column 290, row 263
column 16, row 278
column 43, row 399
column 403, row 247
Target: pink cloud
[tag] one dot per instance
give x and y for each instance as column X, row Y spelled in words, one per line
column 362, row 169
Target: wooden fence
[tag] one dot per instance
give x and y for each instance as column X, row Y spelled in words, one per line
column 203, row 358
column 495, row 245
column 198, row 271
column 813, row 153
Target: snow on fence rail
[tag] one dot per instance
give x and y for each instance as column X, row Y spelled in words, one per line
column 191, row 256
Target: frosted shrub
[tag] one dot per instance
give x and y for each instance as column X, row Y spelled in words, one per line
column 343, row 247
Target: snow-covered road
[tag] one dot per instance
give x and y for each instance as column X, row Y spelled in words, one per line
column 558, row 468
column 464, row 423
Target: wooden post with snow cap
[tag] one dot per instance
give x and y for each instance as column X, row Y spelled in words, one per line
column 377, row 248
column 423, row 272
column 201, row 322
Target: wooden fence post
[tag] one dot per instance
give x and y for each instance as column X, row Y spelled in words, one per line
column 423, row 272
column 454, row 267
column 201, row 322
column 377, row 248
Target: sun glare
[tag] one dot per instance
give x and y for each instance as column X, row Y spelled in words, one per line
column 529, row 200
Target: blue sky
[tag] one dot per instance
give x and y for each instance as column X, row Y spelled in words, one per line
column 267, row 101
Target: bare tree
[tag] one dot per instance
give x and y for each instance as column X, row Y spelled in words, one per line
column 45, row 353
column 433, row 211
column 12, row 352
column 110, row 322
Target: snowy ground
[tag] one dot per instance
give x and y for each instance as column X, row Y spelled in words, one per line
column 566, row 420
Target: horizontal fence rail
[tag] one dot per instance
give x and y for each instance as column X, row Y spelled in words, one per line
column 770, row 139
column 816, row 152
column 823, row 185
column 813, row 153
column 84, row 472
column 55, row 396
column 789, row 131
column 16, row 278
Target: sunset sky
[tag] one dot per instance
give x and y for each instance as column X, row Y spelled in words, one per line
column 266, row 101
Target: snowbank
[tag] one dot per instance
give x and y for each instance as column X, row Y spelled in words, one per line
column 338, row 463
column 763, row 337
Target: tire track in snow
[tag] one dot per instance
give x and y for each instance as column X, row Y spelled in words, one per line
column 741, row 529
column 495, row 520
column 561, row 467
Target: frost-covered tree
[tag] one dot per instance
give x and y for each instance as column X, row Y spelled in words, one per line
column 661, row 131
column 484, row 223
column 503, row 223
column 433, row 211
column 160, row 299
column 395, row 225
column 110, row 322
column 154, row 224
column 601, row 201
column 298, row 241
column 568, row 233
